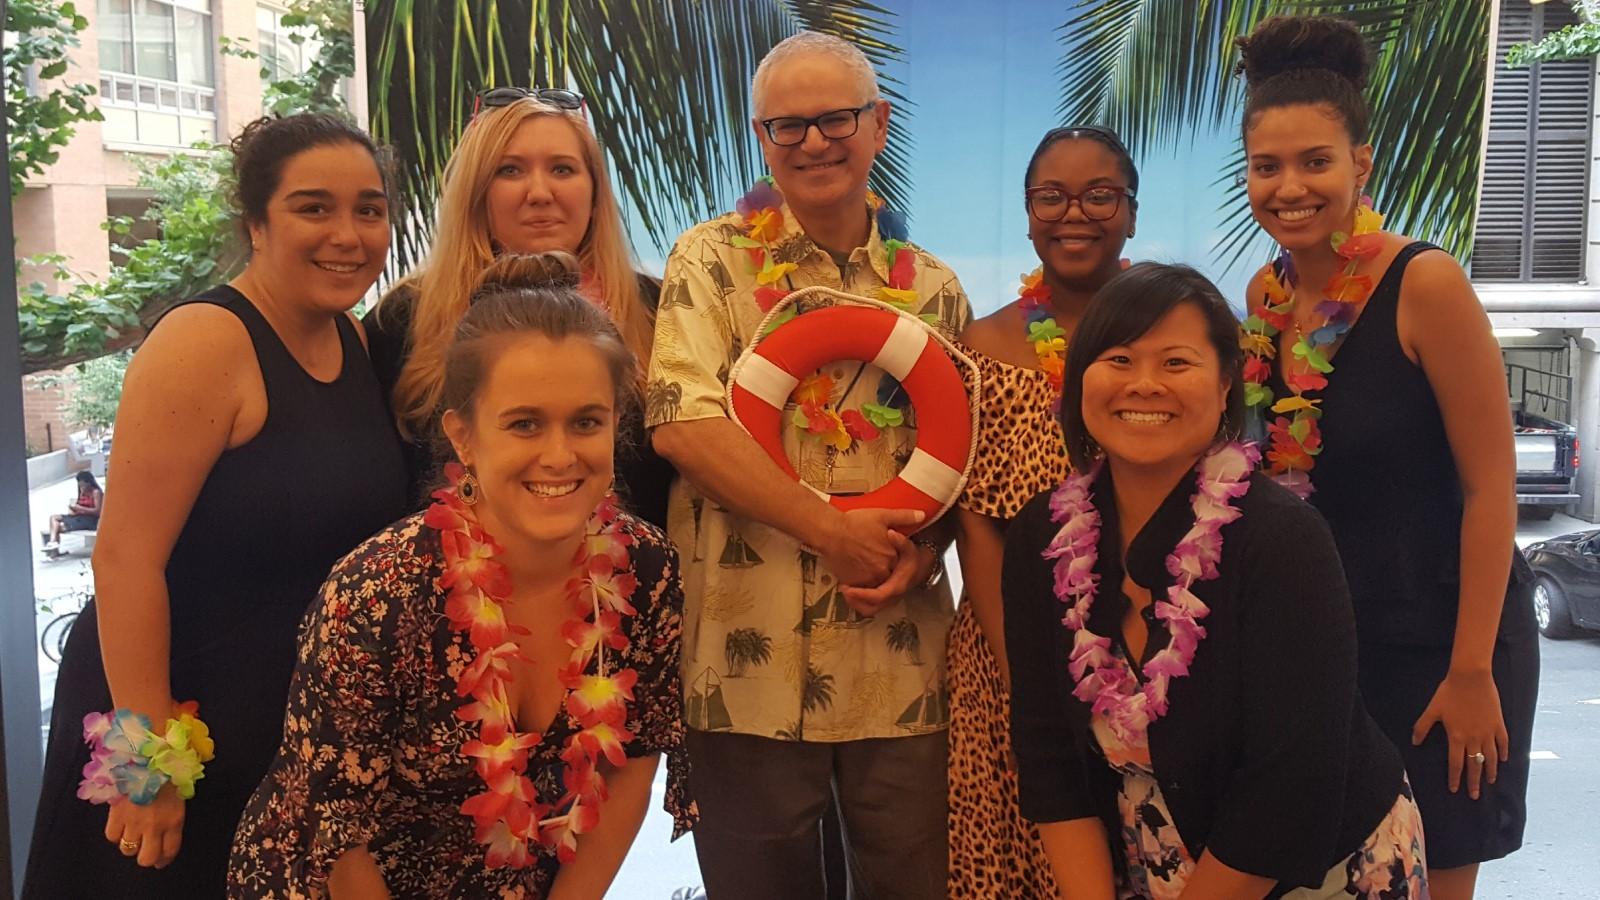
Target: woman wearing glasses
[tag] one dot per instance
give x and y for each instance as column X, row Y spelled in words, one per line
column 526, row 177
column 1080, row 187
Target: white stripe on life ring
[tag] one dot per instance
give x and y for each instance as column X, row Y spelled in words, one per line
column 903, row 348
column 764, row 378
column 930, row 476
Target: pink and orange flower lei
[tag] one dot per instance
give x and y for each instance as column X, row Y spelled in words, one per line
column 816, row 413
column 1295, row 433
column 507, row 817
column 1112, row 689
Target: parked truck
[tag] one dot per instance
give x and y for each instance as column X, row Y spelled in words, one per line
column 1547, row 448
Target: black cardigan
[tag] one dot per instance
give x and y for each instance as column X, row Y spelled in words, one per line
column 1266, row 756
column 643, row 476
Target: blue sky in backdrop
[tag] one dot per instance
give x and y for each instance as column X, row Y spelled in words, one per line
column 985, row 89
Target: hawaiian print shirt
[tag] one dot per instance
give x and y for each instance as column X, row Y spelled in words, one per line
column 372, row 746
column 770, row 646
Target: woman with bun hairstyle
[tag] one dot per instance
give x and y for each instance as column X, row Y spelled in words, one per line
column 1078, row 195
column 1373, row 367
column 253, row 450
column 526, row 177
column 1183, row 656
column 484, row 689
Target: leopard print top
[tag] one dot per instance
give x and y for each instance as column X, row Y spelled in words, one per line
column 1020, row 451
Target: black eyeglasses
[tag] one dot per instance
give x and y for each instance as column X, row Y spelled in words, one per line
column 1050, row 204
column 505, row 96
column 835, row 125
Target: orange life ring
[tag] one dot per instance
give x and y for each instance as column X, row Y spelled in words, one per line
column 898, row 344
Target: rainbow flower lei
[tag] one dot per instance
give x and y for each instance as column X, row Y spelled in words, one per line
column 816, row 414
column 1295, row 436
column 1112, row 689
column 129, row 760
column 1049, row 340
column 506, row 816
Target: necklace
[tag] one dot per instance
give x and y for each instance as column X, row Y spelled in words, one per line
column 1049, row 340
column 1112, row 689
column 1295, row 436
column 817, row 413
column 507, row 817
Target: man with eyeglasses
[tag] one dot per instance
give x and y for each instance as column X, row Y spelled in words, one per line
column 813, row 656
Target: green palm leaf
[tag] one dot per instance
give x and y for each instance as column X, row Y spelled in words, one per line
column 667, row 83
column 1159, row 70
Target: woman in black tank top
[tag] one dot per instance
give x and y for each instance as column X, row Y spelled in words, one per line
column 1381, row 388
column 253, row 450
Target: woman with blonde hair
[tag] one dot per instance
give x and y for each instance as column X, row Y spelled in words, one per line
column 526, row 177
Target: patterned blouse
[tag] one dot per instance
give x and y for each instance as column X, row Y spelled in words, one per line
column 371, row 751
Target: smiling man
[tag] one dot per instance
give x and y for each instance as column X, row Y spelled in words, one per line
column 814, row 639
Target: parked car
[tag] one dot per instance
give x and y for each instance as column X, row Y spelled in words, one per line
column 1566, row 598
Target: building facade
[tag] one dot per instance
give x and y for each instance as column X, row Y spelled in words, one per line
column 1536, row 251
column 163, row 85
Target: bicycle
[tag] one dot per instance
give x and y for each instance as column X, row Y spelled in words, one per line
column 53, row 638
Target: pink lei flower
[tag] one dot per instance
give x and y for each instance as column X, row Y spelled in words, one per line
column 1105, row 680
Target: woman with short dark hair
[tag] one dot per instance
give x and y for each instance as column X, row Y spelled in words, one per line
column 1184, row 705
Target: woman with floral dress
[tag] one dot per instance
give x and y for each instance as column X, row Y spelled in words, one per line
column 1183, row 663
column 485, row 688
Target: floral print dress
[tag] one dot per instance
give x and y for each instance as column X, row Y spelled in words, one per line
column 1389, row 865
column 372, row 745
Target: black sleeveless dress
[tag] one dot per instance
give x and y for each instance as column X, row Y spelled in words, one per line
column 1387, row 484
column 273, row 516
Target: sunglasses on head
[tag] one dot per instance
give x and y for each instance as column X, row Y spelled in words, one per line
column 491, row 98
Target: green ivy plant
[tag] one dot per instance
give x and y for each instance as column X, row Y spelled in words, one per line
column 39, row 34
column 65, row 319
column 1572, row 42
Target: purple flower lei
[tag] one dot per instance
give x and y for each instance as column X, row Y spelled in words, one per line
column 1111, row 688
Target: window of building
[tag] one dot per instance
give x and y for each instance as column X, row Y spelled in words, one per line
column 1536, row 172
column 157, row 72
column 282, row 55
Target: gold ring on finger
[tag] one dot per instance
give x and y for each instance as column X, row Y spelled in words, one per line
column 1479, row 758
column 128, row 847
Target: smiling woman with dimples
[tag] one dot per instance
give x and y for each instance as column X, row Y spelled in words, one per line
column 1184, row 707
column 380, row 764
column 253, row 450
column 526, row 177
column 1415, row 472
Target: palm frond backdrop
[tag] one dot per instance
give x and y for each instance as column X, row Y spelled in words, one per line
column 1159, row 70
column 667, row 85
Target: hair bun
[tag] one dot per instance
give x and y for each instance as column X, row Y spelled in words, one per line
column 531, row 270
column 1293, row 43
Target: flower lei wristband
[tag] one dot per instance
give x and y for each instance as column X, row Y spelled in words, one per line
column 129, row 760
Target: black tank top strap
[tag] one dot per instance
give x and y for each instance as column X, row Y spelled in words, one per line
column 278, row 367
column 1385, row 298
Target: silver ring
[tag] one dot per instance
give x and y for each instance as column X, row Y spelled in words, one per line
column 1478, row 758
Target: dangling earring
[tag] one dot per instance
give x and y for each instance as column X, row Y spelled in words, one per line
column 467, row 489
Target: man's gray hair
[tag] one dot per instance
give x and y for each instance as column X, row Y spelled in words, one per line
column 813, row 42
